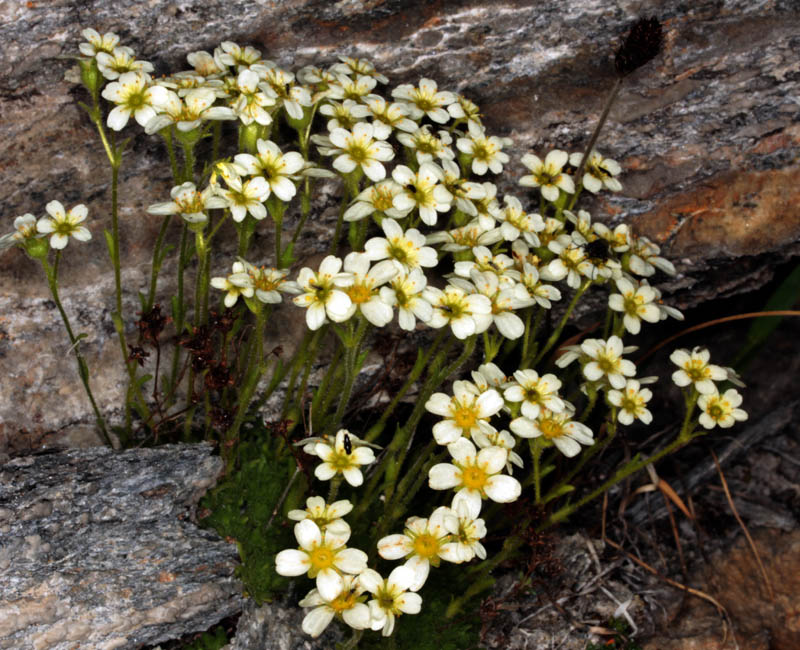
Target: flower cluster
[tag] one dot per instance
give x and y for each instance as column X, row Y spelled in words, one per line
column 433, row 241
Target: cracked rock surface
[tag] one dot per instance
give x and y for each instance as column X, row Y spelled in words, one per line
column 98, row 549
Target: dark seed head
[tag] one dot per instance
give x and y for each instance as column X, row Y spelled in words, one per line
column 642, row 44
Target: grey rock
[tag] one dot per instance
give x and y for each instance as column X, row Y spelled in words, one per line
column 708, row 133
column 99, row 549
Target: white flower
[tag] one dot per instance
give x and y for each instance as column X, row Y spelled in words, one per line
column 337, row 459
column 484, row 261
column 598, row 173
column 535, row 393
column 500, row 439
column 238, row 283
column 295, row 99
column 376, row 198
column 266, row 282
column 466, row 530
column 636, row 303
column 466, row 192
column 247, row 197
column 426, row 100
column 485, row 153
column 254, row 99
column 475, row 474
column 695, row 369
column 392, row 597
column 348, row 605
column 721, row 410
column 63, row 224
column 504, row 300
column 187, row 113
column 606, row 360
column 120, row 60
column 358, row 148
column 364, row 292
column 189, row 203
column 323, row 556
column 632, row 402
column 326, row 516
column 204, row 64
column 351, row 88
column 232, row 54
column 421, row 543
column 427, row 146
column 133, row 94
column 556, row 428
column 542, row 293
column 468, row 236
column 423, row 190
column 406, row 293
column 516, row 222
column 466, row 413
column 457, row 308
column 571, row 263
column 276, row 167
column 548, row 175
column 24, row 228
column 352, row 66
column 644, row 258
column 323, row 295
column 96, row 43
column 407, row 249
column 344, row 115
column 489, row 375
column 388, row 116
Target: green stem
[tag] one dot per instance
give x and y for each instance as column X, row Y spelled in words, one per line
column 557, row 333
column 202, row 280
column 352, row 354
column 536, row 452
column 83, row 368
column 416, row 371
column 621, row 474
column 158, row 258
column 255, row 368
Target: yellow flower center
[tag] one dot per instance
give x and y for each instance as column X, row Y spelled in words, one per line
column 359, row 293
column 697, row 370
column 321, row 558
column 465, row 417
column 551, row 428
column 382, row 199
column 473, row 477
column 426, row 545
column 344, row 601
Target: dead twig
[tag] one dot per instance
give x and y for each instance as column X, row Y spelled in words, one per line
column 678, row 585
column 750, row 541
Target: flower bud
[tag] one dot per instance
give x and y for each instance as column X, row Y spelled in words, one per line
column 36, row 247
column 90, row 75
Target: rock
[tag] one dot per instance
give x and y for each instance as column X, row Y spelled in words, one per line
column 98, row 549
column 707, row 132
column 276, row 626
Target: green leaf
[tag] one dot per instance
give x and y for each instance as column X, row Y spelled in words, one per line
column 560, row 492
column 110, row 244
column 784, row 297
column 287, row 256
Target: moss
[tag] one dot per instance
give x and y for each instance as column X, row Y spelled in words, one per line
column 242, row 506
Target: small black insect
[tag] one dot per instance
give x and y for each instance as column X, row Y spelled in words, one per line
column 348, row 446
column 598, row 250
